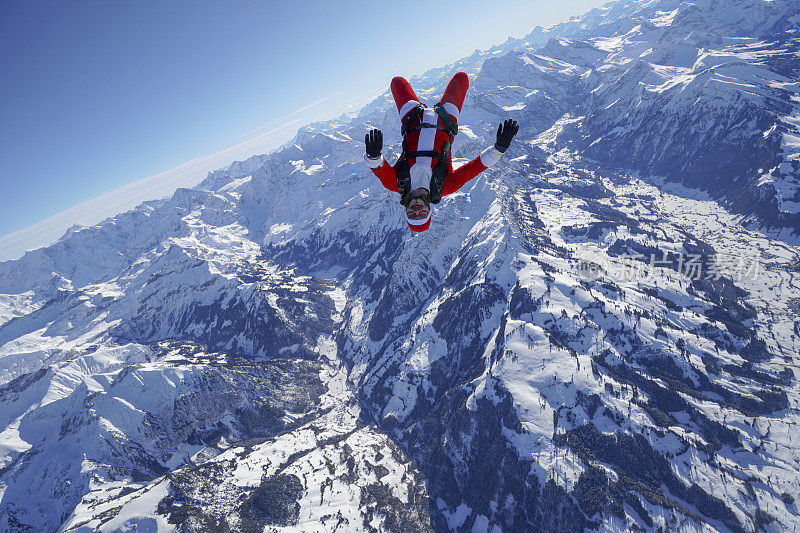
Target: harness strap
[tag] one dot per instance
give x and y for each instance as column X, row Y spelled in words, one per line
column 426, row 125
column 426, row 153
column 452, row 129
column 412, row 115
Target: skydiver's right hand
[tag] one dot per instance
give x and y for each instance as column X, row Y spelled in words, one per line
column 374, row 142
column 505, row 132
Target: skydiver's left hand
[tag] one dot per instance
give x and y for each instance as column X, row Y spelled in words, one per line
column 374, row 142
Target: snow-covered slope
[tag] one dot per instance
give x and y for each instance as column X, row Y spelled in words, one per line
column 596, row 333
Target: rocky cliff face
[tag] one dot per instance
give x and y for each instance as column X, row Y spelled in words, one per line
column 590, row 335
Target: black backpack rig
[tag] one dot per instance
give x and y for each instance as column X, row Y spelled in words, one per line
column 440, row 170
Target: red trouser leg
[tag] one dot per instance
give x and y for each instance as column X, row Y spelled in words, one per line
column 456, row 91
column 402, row 92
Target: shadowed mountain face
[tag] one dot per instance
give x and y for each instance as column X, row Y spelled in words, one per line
column 599, row 332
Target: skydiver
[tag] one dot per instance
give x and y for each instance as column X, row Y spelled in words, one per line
column 424, row 172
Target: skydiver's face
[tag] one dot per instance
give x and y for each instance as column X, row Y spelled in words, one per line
column 418, row 207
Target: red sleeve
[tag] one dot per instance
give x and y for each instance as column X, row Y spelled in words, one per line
column 462, row 175
column 387, row 175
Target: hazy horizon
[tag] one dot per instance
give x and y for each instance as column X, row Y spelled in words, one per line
column 111, row 105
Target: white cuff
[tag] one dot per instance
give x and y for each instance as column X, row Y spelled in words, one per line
column 373, row 163
column 490, row 156
column 452, row 110
column 408, row 106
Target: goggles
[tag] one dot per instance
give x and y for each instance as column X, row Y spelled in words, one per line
column 420, row 214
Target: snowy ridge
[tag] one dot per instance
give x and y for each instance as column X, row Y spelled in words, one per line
column 273, row 350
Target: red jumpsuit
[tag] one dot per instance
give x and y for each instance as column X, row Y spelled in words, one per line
column 421, row 168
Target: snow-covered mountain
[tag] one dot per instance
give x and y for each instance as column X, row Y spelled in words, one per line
column 600, row 332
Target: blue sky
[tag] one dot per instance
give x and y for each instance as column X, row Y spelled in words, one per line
column 98, row 94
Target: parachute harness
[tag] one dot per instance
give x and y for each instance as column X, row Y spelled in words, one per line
column 440, row 170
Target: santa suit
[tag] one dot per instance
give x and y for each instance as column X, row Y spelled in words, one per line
column 421, row 168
